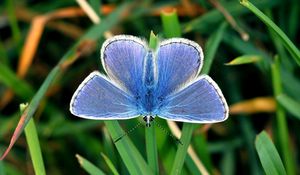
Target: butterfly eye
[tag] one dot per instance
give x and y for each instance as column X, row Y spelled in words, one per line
column 151, row 118
column 145, row 118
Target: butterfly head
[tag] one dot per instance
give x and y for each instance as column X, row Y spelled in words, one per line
column 148, row 119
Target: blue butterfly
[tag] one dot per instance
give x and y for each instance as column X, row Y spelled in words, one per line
column 143, row 82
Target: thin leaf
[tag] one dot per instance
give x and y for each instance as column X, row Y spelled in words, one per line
column 248, row 48
column 153, row 41
column 244, row 59
column 211, row 19
column 151, row 148
column 211, row 47
column 268, row 22
column 34, row 146
column 109, row 148
column 268, row 155
column 110, row 164
column 283, row 134
column 11, row 169
column 9, row 79
column 10, row 9
column 289, row 104
column 170, row 24
column 3, row 54
column 248, row 134
column 2, row 169
column 131, row 157
column 191, row 166
column 185, row 139
column 88, row 166
column 227, row 163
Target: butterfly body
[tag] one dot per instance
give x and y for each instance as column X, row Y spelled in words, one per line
column 149, row 84
column 143, row 82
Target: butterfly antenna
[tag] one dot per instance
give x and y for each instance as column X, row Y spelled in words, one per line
column 168, row 133
column 128, row 132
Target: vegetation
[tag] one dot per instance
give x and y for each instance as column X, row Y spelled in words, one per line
column 251, row 50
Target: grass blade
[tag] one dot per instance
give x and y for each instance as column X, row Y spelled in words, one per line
column 110, row 164
column 227, row 163
column 191, row 166
column 212, row 46
column 3, row 55
column 34, row 146
column 10, row 9
column 211, row 19
column 244, row 59
column 268, row 155
column 153, row 41
column 268, row 22
column 248, row 48
column 289, row 104
column 9, row 78
column 151, row 149
column 283, row 135
column 88, row 166
column 2, row 170
column 170, row 24
column 131, row 157
column 248, row 134
column 185, row 139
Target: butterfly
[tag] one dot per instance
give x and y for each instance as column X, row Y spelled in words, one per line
column 150, row 83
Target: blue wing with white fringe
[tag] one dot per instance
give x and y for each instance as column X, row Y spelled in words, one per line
column 98, row 98
column 200, row 102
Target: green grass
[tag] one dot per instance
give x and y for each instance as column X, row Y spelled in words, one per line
column 283, row 135
column 289, row 104
column 34, row 145
column 133, row 160
column 54, row 140
column 88, row 166
column 268, row 155
column 272, row 26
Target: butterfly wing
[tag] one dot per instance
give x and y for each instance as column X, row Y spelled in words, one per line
column 178, row 61
column 123, row 60
column 200, row 102
column 98, row 98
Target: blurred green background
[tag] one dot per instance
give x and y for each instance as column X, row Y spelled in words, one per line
column 48, row 47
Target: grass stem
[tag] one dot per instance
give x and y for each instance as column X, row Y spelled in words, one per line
column 34, row 146
column 283, row 135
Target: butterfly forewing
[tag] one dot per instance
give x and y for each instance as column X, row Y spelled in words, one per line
column 178, row 61
column 123, row 59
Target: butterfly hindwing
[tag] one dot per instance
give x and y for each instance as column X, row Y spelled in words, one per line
column 200, row 102
column 98, row 98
